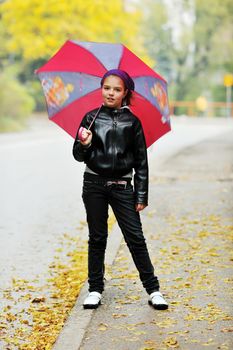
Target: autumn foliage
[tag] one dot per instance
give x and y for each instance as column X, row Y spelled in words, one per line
column 36, row 29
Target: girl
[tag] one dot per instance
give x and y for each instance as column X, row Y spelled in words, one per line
column 112, row 149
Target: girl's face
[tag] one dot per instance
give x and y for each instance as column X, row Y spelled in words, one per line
column 113, row 91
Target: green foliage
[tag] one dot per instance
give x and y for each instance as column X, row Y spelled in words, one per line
column 219, row 93
column 26, row 76
column 15, row 102
column 196, row 63
column 213, row 34
column 35, row 90
column 157, row 36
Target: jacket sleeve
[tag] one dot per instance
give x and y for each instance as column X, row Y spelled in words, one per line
column 140, row 165
column 80, row 152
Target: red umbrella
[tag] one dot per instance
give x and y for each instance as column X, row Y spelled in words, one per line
column 71, row 84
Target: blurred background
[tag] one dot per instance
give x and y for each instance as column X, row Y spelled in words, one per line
column 189, row 42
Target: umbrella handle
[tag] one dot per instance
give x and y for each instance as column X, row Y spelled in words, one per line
column 80, row 136
column 96, row 115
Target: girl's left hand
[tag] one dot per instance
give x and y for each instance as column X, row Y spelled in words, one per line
column 140, row 206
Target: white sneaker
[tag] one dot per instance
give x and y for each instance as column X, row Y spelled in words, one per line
column 92, row 301
column 157, row 300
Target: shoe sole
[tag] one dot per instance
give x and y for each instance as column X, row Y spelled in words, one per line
column 158, row 306
column 91, row 306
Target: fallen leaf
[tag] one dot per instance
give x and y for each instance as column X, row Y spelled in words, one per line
column 102, row 327
column 119, row 315
column 171, row 342
column 38, row 299
column 227, row 330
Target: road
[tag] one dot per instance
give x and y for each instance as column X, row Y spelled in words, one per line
column 40, row 189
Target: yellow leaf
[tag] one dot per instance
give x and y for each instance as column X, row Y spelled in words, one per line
column 102, row 327
column 3, row 325
column 119, row 315
column 171, row 342
column 227, row 330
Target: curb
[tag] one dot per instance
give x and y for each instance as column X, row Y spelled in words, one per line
column 74, row 329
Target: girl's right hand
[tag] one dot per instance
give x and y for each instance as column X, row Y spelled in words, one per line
column 85, row 136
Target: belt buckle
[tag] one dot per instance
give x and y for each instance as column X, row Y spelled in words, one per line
column 123, row 184
column 117, row 183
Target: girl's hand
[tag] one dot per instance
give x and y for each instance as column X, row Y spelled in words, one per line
column 140, row 206
column 85, row 136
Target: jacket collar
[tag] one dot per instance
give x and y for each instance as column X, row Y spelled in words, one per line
column 112, row 110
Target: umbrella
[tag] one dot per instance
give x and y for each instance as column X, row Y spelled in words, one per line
column 71, row 84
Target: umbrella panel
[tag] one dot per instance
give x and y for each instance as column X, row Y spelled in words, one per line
column 73, row 58
column 63, row 88
column 155, row 91
column 153, row 122
column 70, row 117
column 108, row 54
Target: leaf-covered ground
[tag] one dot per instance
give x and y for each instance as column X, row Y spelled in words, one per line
column 33, row 312
column 195, row 275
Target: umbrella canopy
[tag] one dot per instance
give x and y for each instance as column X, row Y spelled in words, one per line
column 71, row 84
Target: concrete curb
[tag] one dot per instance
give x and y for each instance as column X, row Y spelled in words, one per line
column 76, row 324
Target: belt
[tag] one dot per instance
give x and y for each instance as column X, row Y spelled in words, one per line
column 122, row 182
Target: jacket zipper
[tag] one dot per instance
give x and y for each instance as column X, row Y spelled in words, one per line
column 114, row 139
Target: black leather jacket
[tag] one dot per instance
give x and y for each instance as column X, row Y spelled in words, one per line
column 118, row 146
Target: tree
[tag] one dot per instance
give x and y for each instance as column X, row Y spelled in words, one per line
column 158, row 36
column 198, row 59
column 36, row 29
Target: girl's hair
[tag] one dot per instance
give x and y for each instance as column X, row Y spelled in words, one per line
column 127, row 100
column 127, row 80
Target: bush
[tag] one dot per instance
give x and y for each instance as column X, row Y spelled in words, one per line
column 16, row 104
column 26, row 74
column 36, row 92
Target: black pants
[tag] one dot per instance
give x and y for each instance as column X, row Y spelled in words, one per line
column 96, row 197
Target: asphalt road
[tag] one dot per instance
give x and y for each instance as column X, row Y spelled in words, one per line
column 40, row 189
